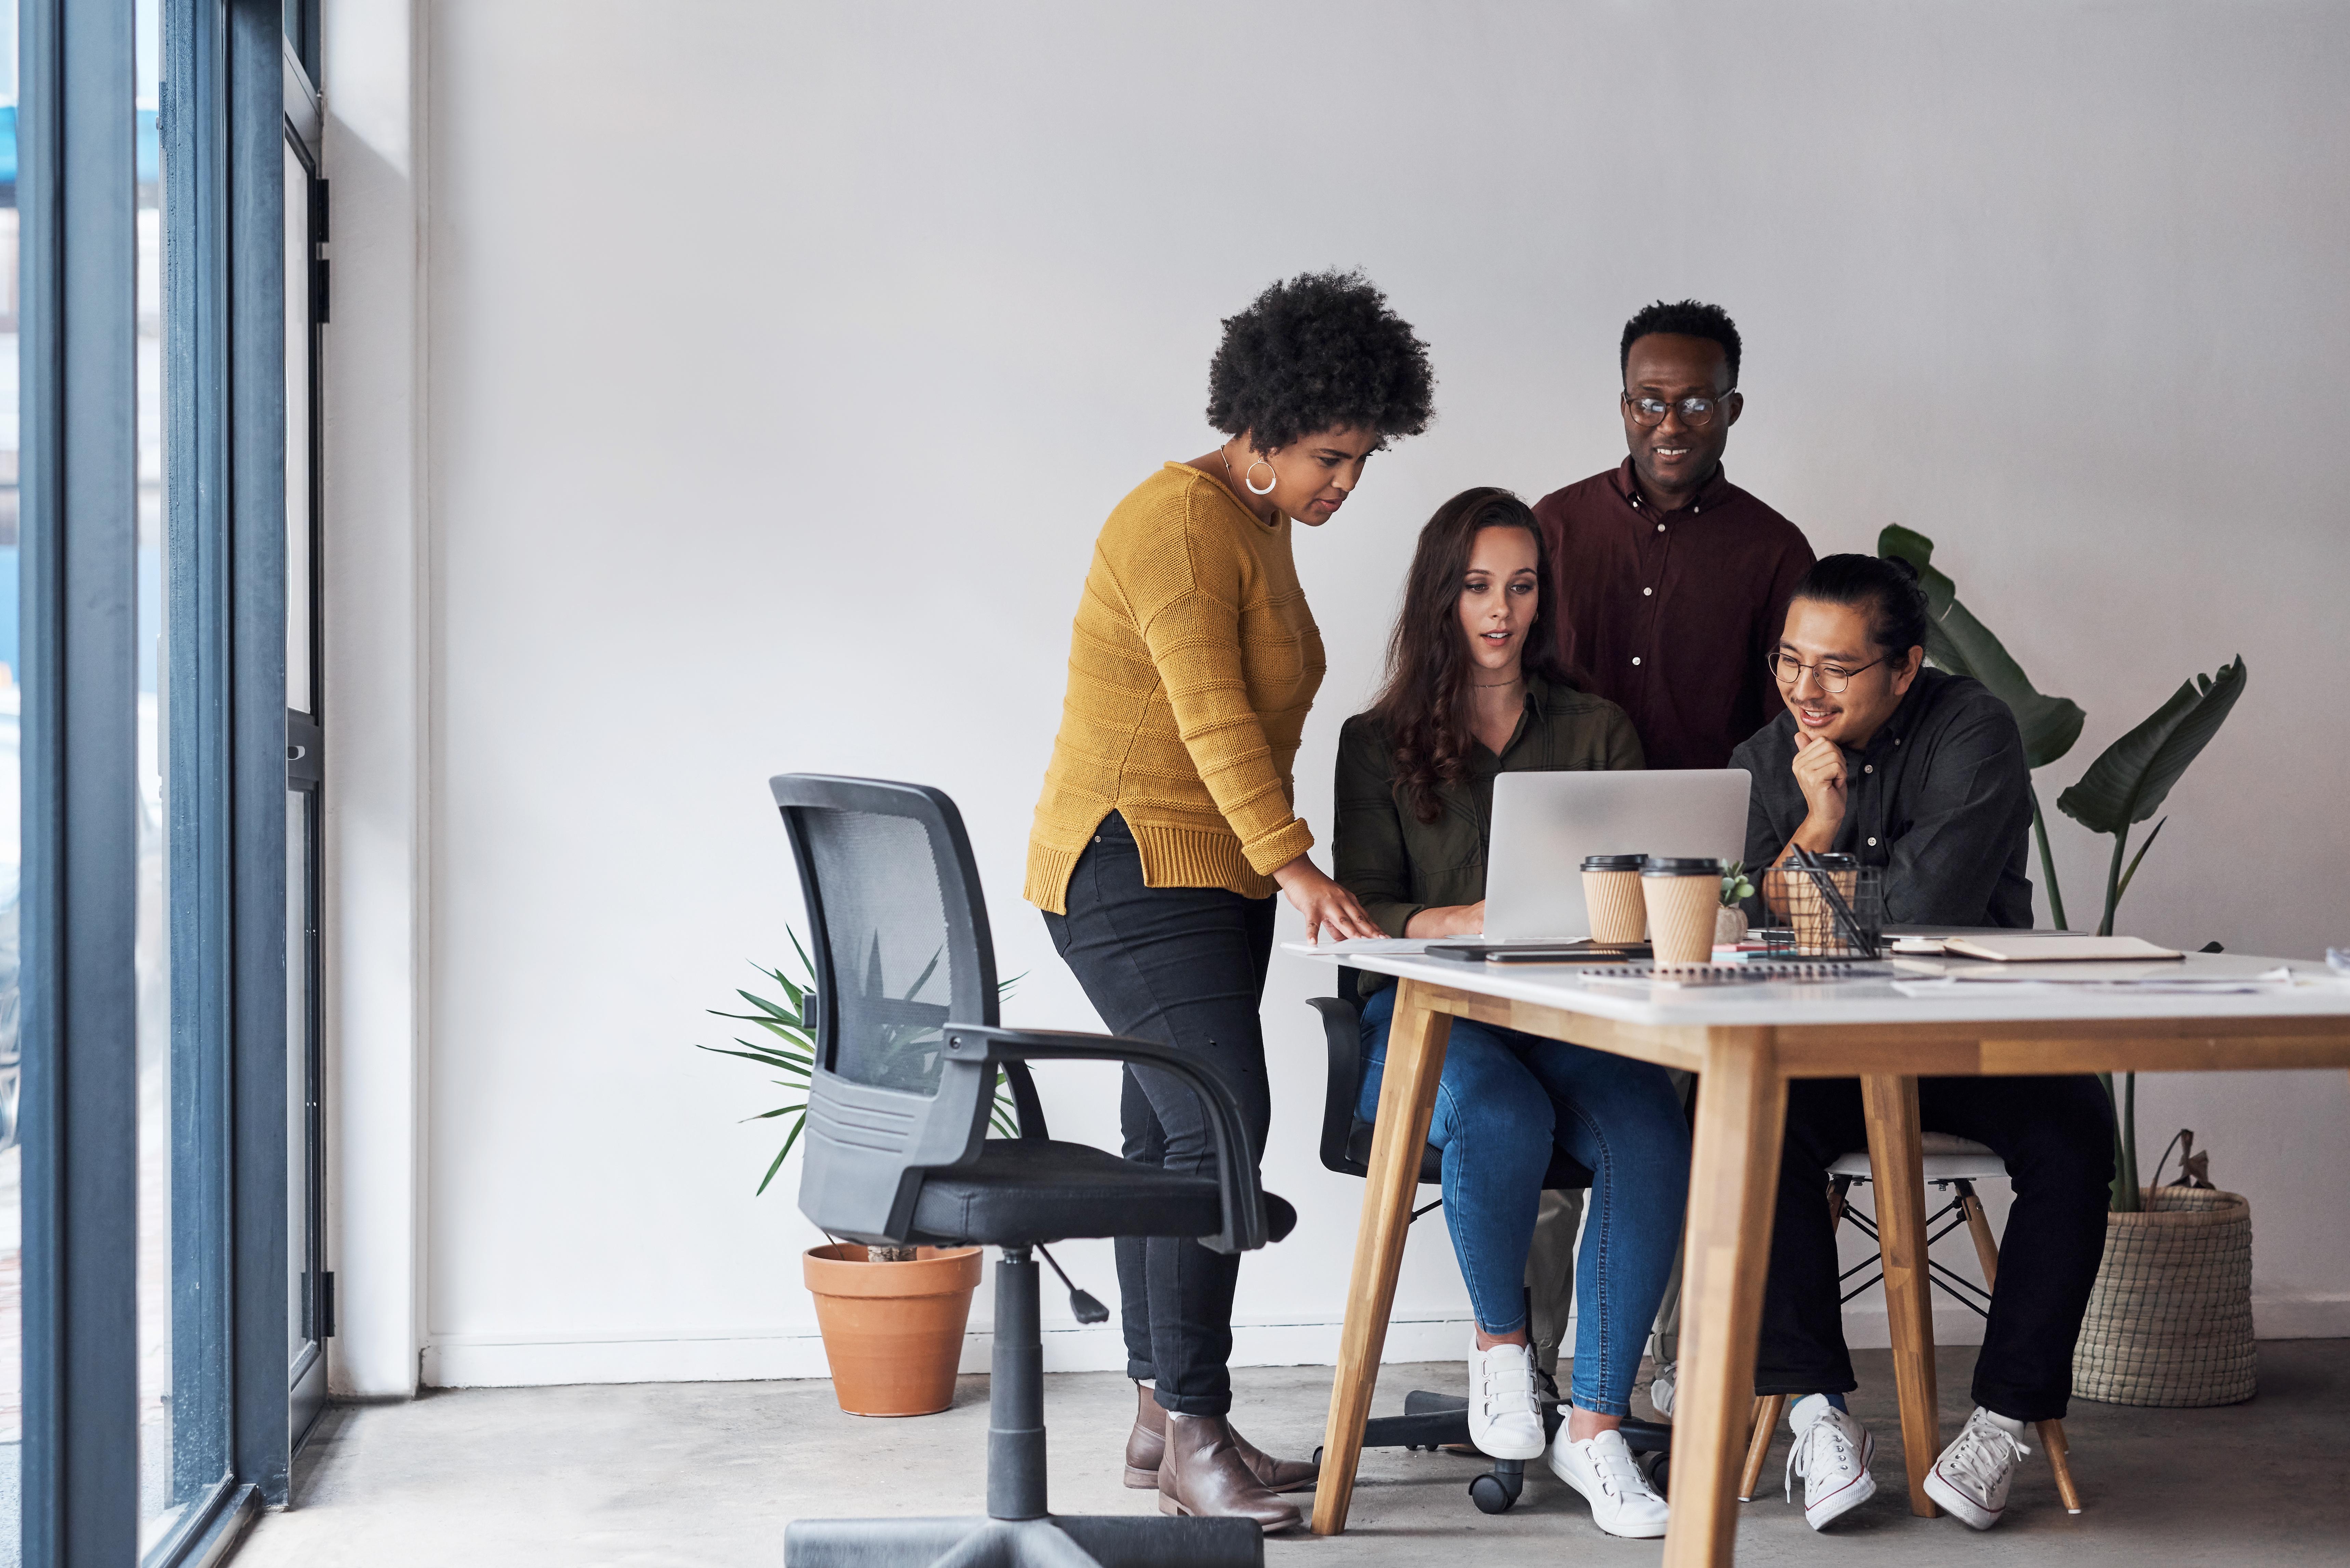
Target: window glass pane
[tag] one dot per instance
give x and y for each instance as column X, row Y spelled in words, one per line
column 298, row 1077
column 157, row 1505
column 11, row 1166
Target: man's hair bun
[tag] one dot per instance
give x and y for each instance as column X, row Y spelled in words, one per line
column 1885, row 586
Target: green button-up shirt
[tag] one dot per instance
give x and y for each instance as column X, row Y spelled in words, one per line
column 1397, row 865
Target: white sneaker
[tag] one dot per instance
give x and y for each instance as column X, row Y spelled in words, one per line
column 1660, row 1388
column 1832, row 1452
column 1603, row 1469
column 1971, row 1479
column 1504, row 1417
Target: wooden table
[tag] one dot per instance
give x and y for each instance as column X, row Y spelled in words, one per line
column 1746, row 1042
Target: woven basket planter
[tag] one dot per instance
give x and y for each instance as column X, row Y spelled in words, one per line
column 2170, row 1320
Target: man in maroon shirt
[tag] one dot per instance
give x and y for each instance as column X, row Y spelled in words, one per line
column 1675, row 584
column 1674, row 581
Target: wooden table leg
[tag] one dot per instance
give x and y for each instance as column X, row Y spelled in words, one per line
column 1415, row 1060
column 1898, row 1161
column 1742, row 1107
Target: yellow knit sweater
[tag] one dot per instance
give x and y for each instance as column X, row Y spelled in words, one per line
column 1191, row 666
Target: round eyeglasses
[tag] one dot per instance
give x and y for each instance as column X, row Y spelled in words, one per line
column 1787, row 669
column 1649, row 413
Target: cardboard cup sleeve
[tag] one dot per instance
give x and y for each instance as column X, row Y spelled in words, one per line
column 1681, row 916
column 1620, row 910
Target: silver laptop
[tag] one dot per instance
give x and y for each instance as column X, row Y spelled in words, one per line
column 1545, row 823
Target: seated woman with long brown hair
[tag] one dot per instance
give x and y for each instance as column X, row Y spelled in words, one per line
column 1474, row 688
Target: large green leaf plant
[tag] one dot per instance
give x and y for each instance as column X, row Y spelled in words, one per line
column 2125, row 786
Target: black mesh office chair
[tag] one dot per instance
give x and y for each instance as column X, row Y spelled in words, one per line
column 908, row 1053
column 1433, row 1420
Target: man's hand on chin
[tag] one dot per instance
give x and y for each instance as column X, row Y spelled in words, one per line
column 1819, row 771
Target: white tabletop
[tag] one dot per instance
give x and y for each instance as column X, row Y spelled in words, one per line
column 2315, row 991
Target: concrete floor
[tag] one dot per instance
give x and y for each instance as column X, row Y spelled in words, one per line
column 708, row 1473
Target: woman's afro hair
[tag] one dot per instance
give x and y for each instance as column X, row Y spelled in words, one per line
column 1321, row 351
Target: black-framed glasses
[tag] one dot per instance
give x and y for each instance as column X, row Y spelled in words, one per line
column 1695, row 411
column 1786, row 669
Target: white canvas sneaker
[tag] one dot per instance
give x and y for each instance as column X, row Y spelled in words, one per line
column 1831, row 1452
column 1603, row 1469
column 1971, row 1480
column 1660, row 1388
column 1504, row 1417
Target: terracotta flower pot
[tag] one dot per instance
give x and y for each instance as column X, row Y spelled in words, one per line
column 892, row 1332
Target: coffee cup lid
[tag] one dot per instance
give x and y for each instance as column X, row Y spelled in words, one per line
column 1614, row 862
column 1667, row 866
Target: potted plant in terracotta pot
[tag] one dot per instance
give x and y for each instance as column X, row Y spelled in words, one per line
column 892, row 1317
column 2170, row 1320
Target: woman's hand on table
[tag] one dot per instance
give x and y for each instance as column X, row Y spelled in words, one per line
column 1448, row 920
column 1324, row 903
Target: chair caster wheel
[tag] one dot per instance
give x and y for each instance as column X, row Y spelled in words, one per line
column 1659, row 1468
column 1491, row 1494
column 1317, row 1456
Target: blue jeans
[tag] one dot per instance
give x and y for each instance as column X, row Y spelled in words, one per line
column 1504, row 1099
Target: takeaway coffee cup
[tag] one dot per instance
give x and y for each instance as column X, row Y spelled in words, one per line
column 1682, row 896
column 1611, row 892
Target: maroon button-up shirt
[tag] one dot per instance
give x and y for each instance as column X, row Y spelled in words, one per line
column 1671, row 612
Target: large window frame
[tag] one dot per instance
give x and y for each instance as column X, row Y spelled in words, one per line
column 223, row 131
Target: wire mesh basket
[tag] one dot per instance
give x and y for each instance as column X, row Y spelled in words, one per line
column 1834, row 910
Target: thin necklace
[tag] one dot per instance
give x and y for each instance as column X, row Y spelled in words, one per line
column 1498, row 685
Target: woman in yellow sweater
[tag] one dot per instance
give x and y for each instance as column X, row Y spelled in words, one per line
column 1165, row 823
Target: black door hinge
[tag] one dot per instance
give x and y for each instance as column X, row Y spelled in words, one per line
column 318, row 211
column 318, row 290
column 326, row 1304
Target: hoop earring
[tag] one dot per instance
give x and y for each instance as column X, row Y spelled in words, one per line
column 1249, row 477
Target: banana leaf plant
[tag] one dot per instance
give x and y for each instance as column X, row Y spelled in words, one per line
column 790, row 1048
column 1956, row 642
column 2125, row 786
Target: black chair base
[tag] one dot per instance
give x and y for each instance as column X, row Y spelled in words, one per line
column 1436, row 1420
column 1075, row 1540
column 1019, row 1532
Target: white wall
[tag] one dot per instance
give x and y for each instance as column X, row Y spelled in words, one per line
column 784, row 360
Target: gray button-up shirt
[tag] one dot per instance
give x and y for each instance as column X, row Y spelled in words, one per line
column 1941, row 798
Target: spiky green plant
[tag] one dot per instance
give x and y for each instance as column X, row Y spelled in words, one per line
column 791, row 1050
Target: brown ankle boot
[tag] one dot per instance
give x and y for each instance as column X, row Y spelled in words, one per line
column 1201, row 1473
column 1148, row 1441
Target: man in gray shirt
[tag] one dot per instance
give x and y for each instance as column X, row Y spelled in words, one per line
column 1921, row 775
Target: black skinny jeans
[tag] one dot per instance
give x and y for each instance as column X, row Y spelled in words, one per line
column 2056, row 1136
column 1184, row 967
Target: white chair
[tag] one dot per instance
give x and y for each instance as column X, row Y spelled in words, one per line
column 1953, row 1165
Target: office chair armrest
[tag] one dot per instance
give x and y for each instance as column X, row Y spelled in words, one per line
column 1024, row 1101
column 1236, row 1180
column 1342, row 1035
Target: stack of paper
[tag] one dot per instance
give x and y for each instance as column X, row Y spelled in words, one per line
column 2074, row 979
